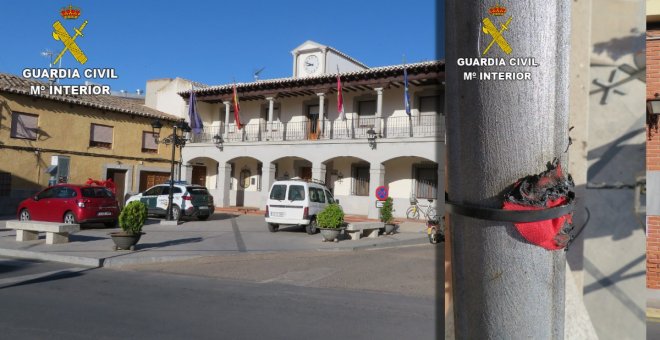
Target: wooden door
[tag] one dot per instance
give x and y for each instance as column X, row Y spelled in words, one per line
column 199, row 175
column 119, row 177
column 306, row 172
column 151, row 178
column 313, row 122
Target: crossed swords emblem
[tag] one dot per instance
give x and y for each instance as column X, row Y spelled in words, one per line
column 489, row 28
column 70, row 45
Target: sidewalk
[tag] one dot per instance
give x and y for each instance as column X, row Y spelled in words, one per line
column 222, row 235
column 653, row 305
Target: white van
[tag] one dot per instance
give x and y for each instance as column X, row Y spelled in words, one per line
column 296, row 202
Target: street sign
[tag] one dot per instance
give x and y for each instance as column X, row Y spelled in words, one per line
column 381, row 193
column 379, row 204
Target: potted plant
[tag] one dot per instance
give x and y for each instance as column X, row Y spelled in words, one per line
column 330, row 222
column 131, row 221
column 386, row 216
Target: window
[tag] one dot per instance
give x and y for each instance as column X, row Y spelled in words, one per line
column 278, row 192
column 316, row 195
column 24, row 125
column 296, row 193
column 5, row 184
column 166, row 190
column 63, row 163
column 196, row 191
column 101, row 136
column 276, row 111
column 96, row 192
column 259, row 174
column 361, row 180
column 321, row 195
column 430, row 105
column 48, row 193
column 329, row 196
column 367, row 107
column 367, row 113
column 155, row 191
column 149, row 143
column 65, row 192
column 426, row 181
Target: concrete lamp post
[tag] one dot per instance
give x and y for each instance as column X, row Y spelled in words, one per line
column 176, row 141
column 499, row 131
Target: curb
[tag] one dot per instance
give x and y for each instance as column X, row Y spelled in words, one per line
column 394, row 244
column 105, row 262
column 34, row 255
column 119, row 262
column 653, row 314
column 116, row 262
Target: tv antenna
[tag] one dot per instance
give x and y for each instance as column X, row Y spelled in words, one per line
column 257, row 72
column 48, row 53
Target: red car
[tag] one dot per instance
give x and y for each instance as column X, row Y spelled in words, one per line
column 71, row 204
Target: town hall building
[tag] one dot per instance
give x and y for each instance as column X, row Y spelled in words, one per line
column 292, row 128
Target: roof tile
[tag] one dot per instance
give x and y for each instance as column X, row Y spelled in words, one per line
column 15, row 84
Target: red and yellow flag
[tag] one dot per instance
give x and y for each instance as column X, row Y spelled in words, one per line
column 340, row 97
column 237, row 109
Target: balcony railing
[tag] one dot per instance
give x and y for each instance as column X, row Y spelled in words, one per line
column 305, row 129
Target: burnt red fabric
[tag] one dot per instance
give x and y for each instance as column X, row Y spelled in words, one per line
column 542, row 233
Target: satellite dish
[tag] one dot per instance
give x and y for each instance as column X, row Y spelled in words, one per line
column 256, row 73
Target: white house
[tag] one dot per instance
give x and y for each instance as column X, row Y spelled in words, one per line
column 292, row 129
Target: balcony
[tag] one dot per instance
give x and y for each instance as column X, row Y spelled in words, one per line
column 302, row 129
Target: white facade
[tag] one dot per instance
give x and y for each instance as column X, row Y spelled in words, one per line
column 329, row 60
column 292, row 130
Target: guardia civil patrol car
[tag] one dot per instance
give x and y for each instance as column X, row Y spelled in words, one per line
column 188, row 200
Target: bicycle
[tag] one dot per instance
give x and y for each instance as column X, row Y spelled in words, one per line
column 415, row 208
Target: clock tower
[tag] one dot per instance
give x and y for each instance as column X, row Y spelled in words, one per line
column 313, row 59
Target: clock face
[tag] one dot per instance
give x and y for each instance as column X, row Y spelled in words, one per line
column 311, row 64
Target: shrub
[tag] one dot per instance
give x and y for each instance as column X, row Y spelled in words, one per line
column 132, row 217
column 331, row 217
column 386, row 211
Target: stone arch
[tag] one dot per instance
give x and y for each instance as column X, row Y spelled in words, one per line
column 202, row 171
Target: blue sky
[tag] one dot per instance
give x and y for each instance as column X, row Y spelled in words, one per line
column 215, row 42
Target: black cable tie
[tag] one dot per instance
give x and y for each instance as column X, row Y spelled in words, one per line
column 514, row 216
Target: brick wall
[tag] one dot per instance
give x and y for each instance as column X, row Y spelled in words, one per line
column 653, row 161
column 653, row 252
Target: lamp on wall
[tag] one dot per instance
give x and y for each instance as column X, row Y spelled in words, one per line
column 218, row 141
column 156, row 125
column 371, row 137
column 652, row 114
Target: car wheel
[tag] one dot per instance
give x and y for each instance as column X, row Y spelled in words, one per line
column 24, row 215
column 273, row 227
column 203, row 218
column 176, row 213
column 312, row 227
column 69, row 218
column 433, row 237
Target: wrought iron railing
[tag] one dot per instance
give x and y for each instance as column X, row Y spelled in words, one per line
column 305, row 129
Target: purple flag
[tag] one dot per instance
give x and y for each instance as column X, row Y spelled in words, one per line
column 195, row 121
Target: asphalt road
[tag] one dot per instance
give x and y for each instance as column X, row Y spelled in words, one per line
column 57, row 301
column 652, row 330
